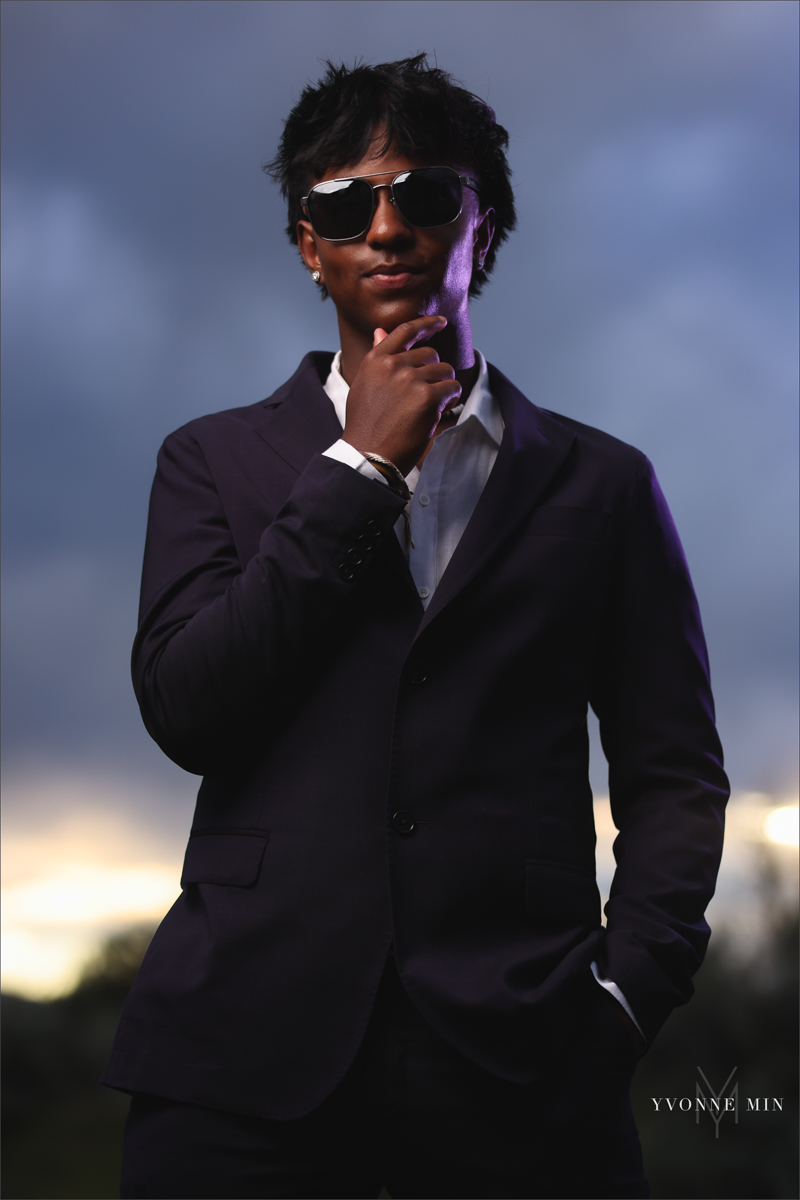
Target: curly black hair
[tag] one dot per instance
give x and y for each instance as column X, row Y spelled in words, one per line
column 424, row 113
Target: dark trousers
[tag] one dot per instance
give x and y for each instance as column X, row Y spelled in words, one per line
column 416, row 1117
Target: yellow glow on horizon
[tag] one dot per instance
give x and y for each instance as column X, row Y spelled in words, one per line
column 53, row 925
column 85, row 893
column 782, row 825
column 71, row 883
column 41, row 963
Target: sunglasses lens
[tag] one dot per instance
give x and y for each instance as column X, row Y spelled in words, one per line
column 340, row 209
column 429, row 196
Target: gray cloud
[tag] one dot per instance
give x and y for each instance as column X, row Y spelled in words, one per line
column 649, row 290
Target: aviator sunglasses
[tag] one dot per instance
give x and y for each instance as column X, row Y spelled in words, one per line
column 341, row 209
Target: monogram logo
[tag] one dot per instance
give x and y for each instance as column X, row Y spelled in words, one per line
column 711, row 1103
column 717, row 1103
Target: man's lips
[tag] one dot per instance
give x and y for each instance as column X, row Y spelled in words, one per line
column 392, row 275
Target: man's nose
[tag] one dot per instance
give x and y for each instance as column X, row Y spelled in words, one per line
column 387, row 225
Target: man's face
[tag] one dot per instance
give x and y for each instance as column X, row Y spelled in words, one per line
column 394, row 272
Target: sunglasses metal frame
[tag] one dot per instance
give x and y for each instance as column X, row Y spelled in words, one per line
column 466, row 181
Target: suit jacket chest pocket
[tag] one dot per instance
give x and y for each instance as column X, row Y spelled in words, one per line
column 560, row 521
column 562, row 553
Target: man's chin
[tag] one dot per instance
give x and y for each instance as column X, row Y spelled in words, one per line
column 390, row 316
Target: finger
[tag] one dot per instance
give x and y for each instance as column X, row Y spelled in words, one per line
column 420, row 356
column 445, row 399
column 452, row 402
column 445, row 392
column 410, row 332
column 434, row 372
column 378, row 337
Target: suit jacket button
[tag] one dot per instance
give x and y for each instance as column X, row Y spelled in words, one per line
column 418, row 674
column 403, row 822
column 346, row 572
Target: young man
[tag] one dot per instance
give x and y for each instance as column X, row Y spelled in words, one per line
column 375, row 608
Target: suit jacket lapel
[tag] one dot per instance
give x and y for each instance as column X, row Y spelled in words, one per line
column 299, row 421
column 533, row 447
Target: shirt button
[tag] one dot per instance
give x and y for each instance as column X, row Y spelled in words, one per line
column 424, row 500
column 403, row 822
column 424, row 593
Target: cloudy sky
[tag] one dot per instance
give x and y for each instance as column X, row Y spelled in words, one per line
column 649, row 290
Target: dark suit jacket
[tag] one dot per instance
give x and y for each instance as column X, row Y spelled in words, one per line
column 283, row 653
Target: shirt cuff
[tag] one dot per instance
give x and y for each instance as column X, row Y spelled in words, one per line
column 343, row 452
column 616, row 992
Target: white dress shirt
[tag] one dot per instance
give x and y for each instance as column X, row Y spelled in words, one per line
column 449, row 485
column 445, row 492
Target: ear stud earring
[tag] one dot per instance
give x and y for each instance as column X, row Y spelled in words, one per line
column 315, row 275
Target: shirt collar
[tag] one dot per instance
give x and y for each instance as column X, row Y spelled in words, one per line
column 336, row 388
column 480, row 403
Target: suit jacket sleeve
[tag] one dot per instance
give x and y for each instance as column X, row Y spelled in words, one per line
column 668, row 790
column 222, row 651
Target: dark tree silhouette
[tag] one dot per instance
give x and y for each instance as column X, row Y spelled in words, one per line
column 62, row 1131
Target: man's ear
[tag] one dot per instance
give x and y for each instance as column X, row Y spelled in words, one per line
column 308, row 246
column 484, row 232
